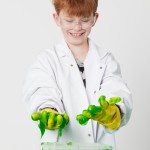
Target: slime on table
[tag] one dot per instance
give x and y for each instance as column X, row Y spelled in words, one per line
column 74, row 146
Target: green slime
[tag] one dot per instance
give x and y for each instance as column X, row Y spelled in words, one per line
column 93, row 110
column 42, row 117
column 70, row 146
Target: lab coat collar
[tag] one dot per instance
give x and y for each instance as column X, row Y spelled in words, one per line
column 93, row 48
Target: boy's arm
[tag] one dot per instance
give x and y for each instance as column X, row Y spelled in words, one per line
column 40, row 89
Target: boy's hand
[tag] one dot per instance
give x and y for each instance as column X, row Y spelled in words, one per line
column 107, row 114
column 50, row 119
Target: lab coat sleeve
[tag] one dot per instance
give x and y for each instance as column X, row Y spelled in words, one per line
column 40, row 88
column 113, row 85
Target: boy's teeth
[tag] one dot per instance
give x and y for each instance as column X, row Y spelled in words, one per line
column 74, row 34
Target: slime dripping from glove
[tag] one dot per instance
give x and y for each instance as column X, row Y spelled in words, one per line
column 107, row 114
column 50, row 119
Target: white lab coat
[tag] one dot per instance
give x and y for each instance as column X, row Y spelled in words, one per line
column 54, row 81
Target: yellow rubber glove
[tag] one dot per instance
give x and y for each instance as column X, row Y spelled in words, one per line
column 107, row 114
column 50, row 119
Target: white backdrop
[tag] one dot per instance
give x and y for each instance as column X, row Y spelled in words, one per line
column 27, row 28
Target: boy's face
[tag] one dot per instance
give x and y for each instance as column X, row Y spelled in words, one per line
column 75, row 29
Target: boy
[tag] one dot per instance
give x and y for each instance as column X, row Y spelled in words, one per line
column 72, row 75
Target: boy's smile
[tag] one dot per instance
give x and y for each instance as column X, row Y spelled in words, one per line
column 76, row 35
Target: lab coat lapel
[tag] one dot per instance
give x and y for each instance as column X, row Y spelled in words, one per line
column 94, row 70
column 68, row 60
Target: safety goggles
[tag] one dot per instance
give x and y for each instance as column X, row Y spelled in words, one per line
column 70, row 23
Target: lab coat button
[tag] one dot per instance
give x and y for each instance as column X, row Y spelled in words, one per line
column 71, row 65
column 94, row 92
column 100, row 67
column 89, row 134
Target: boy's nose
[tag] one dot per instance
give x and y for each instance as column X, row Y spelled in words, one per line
column 77, row 26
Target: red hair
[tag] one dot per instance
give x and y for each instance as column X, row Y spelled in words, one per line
column 79, row 8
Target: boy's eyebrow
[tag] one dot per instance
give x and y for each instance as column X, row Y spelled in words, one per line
column 74, row 17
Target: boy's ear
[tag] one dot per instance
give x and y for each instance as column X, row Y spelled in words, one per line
column 56, row 18
column 97, row 16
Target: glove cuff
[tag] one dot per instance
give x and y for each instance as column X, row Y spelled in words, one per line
column 47, row 109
